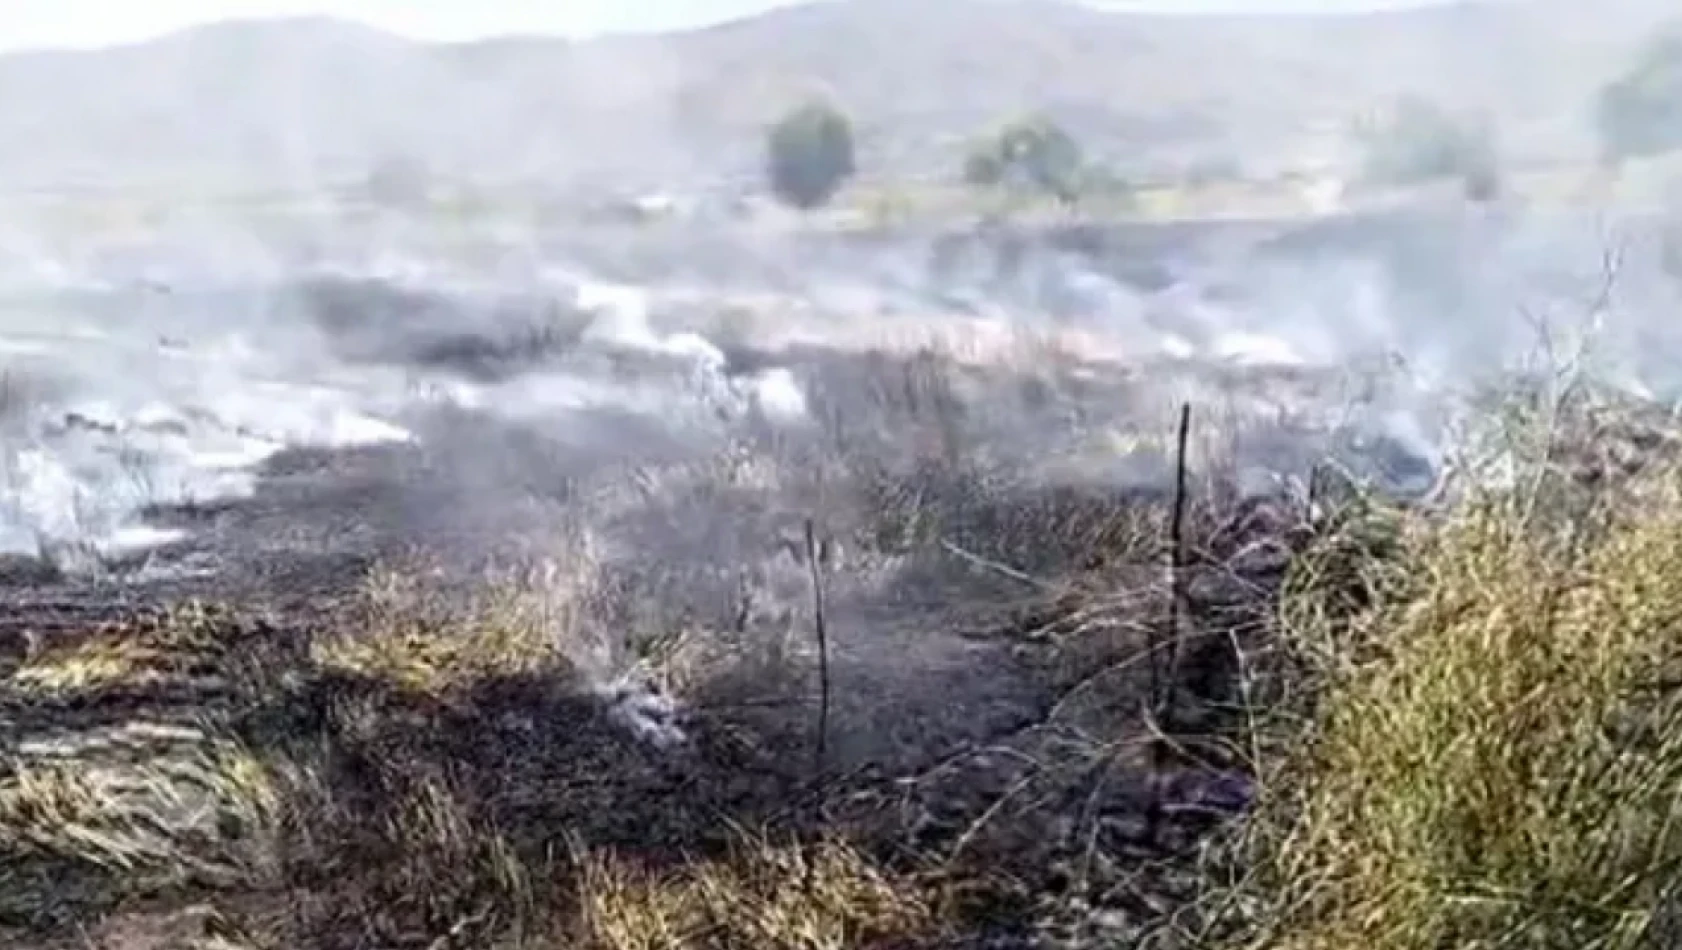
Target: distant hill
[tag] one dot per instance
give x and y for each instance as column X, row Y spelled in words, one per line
column 290, row 101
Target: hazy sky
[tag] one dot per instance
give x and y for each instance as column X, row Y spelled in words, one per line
column 34, row 23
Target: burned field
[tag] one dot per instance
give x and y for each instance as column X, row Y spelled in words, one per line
column 960, row 649
column 609, row 733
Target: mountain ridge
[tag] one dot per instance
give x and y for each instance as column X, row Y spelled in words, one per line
column 300, row 99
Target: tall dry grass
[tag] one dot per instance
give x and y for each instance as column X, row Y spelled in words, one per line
column 1489, row 752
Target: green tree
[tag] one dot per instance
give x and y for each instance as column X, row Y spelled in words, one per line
column 1034, row 153
column 1420, row 142
column 1640, row 113
column 809, row 155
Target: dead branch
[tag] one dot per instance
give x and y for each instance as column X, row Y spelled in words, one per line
column 994, row 566
column 1162, row 665
column 822, row 752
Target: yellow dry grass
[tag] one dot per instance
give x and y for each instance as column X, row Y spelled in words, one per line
column 1494, row 757
column 823, row 896
column 138, row 827
column 86, row 667
column 133, row 805
column 147, row 654
column 203, row 814
column 408, row 635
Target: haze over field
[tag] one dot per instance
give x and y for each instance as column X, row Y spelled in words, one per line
column 160, row 361
column 549, row 416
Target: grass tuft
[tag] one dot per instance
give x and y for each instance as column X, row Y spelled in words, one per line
column 1494, row 754
column 822, row 896
column 409, row 635
column 200, row 816
column 160, row 650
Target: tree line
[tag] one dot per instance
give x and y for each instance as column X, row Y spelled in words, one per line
column 811, row 154
column 810, row 151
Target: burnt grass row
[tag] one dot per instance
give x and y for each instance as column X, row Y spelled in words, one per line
column 1036, row 724
column 1081, row 816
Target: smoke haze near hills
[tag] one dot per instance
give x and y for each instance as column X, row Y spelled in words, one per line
column 278, row 103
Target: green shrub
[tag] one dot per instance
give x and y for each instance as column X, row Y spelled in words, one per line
column 1033, row 153
column 1640, row 113
column 810, row 155
column 1418, row 142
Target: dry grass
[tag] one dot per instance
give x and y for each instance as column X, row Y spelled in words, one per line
column 410, row 633
column 823, row 896
column 423, row 769
column 1477, row 743
column 399, row 780
column 1493, row 752
column 165, row 649
column 205, row 815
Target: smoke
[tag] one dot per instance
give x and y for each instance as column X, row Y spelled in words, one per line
column 167, row 377
column 662, row 409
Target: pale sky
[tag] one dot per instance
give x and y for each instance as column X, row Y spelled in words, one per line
column 81, row 23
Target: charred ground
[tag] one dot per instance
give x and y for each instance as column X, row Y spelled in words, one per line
column 503, row 687
column 346, row 713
